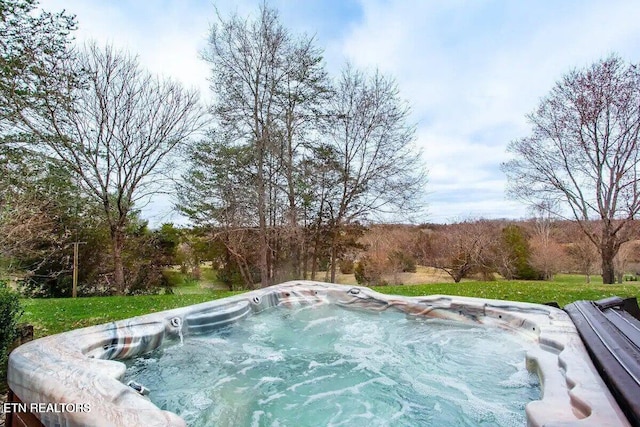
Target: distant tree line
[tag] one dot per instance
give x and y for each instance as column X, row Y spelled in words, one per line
column 533, row 249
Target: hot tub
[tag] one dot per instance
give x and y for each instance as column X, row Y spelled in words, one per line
column 78, row 378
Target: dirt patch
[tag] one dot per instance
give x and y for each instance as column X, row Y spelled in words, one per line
column 423, row 275
column 214, row 286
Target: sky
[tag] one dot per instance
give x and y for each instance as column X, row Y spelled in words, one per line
column 470, row 69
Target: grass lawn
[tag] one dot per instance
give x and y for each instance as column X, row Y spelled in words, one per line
column 50, row 316
column 53, row 315
column 563, row 290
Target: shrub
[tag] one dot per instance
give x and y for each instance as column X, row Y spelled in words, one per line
column 516, row 244
column 231, row 276
column 346, row 266
column 148, row 280
column 359, row 273
column 367, row 273
column 10, row 312
column 42, row 287
column 402, row 261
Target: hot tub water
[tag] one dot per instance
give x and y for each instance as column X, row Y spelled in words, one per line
column 324, row 365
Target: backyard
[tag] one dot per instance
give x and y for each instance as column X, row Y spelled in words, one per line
column 54, row 315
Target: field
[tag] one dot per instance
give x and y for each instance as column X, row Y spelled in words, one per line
column 50, row 316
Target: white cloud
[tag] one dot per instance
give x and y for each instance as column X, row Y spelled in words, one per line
column 167, row 39
column 473, row 70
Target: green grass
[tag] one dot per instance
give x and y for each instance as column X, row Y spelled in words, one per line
column 563, row 290
column 54, row 315
column 209, row 275
column 50, row 316
column 182, row 284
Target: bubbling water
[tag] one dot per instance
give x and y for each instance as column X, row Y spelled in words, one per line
column 324, row 365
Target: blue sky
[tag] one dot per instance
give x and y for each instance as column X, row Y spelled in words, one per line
column 471, row 69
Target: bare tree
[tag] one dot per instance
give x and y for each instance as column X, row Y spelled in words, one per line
column 624, row 257
column 388, row 252
column 321, row 178
column 267, row 84
column 461, row 249
column 547, row 255
column 314, row 166
column 245, row 57
column 305, row 88
column 380, row 170
column 584, row 255
column 584, row 150
column 116, row 135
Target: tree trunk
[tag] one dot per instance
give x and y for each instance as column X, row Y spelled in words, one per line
column 262, row 218
column 294, row 239
column 305, row 255
column 608, row 271
column 295, row 252
column 264, row 261
column 608, row 276
column 227, row 263
column 334, row 256
column 117, row 241
column 314, row 255
column 196, row 273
